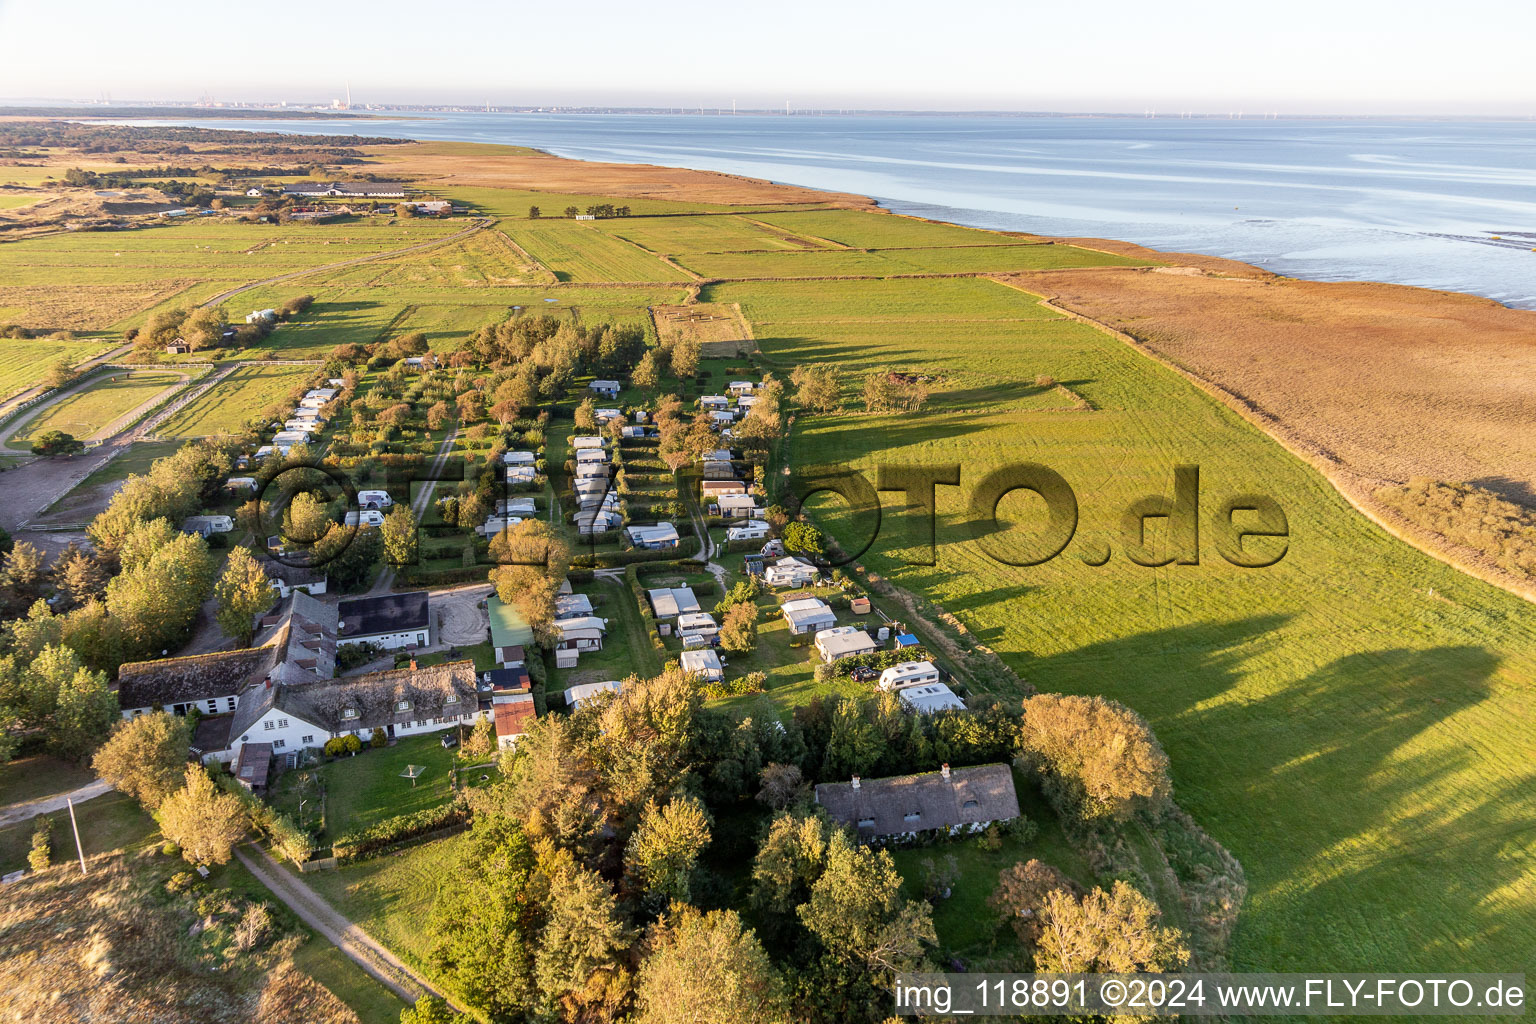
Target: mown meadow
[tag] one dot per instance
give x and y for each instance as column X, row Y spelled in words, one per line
column 1352, row 722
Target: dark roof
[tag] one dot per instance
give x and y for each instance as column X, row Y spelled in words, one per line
column 375, row 697
column 212, row 734
column 390, row 613
column 251, row 769
column 198, row 677
column 915, row 803
column 507, row 678
column 513, row 719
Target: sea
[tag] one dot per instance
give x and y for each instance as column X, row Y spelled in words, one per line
column 1443, row 204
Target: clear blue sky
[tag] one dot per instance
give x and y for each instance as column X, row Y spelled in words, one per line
column 1311, row 56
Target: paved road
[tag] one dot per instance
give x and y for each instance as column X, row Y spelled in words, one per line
column 314, row 911
column 29, row 809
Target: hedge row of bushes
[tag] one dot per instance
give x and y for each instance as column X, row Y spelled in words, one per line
column 287, row 838
column 384, row 836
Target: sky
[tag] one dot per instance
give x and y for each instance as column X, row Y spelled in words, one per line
column 1302, row 57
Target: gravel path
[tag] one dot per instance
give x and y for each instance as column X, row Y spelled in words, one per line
column 314, row 911
column 29, row 809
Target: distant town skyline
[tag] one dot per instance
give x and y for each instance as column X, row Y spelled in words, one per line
column 1312, row 57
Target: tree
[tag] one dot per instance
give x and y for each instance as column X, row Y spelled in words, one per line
column 533, row 213
column 1019, row 898
column 685, row 358
column 707, row 967
column 664, row 850
column 438, row 416
column 817, row 387
column 165, row 577
column 242, row 592
column 41, row 853
column 586, row 415
column 1115, row 932
column 789, row 860
column 83, row 707
column 483, row 922
column 305, row 519
column 582, row 938
column 348, row 554
column 399, row 536
column 857, row 911
column 782, row 785
column 571, row 211
column 79, row 576
column 145, row 757
column 205, row 823
column 431, row 1010
column 803, row 537
column 22, row 569
column 49, row 443
column 738, row 631
column 646, row 374
column 1095, row 757
column 60, row 373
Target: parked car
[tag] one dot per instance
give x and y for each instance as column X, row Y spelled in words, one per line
column 864, row 674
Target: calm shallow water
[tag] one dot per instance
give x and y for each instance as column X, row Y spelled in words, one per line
column 1447, row 204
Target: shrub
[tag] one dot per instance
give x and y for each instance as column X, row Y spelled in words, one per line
column 181, row 881
column 170, row 849
column 752, row 682
column 379, row 739
column 381, row 836
column 41, row 854
column 335, row 747
column 351, row 744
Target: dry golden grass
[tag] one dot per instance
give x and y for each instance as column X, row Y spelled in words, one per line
column 111, row 947
column 1373, row 384
column 718, row 327
column 443, row 164
column 83, row 307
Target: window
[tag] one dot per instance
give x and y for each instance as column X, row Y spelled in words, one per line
column 452, row 698
column 866, row 823
column 970, row 805
column 282, row 723
column 308, row 740
column 213, row 707
column 269, row 725
column 349, row 713
column 911, row 816
column 231, row 704
column 278, row 744
column 402, row 705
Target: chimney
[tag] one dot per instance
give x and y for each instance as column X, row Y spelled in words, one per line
column 268, row 682
column 855, row 782
column 945, row 769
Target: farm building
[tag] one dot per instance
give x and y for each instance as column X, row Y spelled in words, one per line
column 718, row 469
column 669, row 602
column 510, row 633
column 515, row 507
column 714, row 402
column 521, row 474
column 577, row 695
column 807, row 615
column 606, row 388
column 254, row 764
column 586, row 455
column 401, row 701
column 660, row 537
column 512, row 714
column 519, row 459
column 956, row 802
column 346, row 189
column 737, row 506
column 285, row 579
column 930, row 698
column 741, row 387
column 390, row 621
column 716, row 488
column 704, row 664
column 908, row 673
column 722, row 417
column 843, row 642
column 790, row 572
column 586, row 441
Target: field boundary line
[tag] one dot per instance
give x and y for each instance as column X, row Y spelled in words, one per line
column 1339, row 477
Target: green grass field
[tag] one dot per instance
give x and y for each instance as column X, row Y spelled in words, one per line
column 708, row 234
column 962, row 259
column 107, row 823
column 38, row 776
column 367, row 788
column 86, row 414
column 24, row 364
column 578, row 252
column 225, row 407
column 1342, row 721
column 860, row 230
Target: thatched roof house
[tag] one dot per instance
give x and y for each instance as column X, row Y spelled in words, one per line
column 962, row 800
